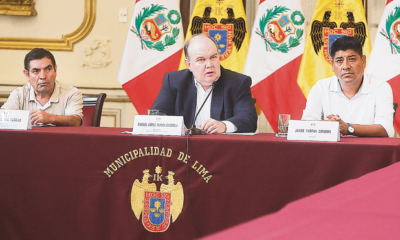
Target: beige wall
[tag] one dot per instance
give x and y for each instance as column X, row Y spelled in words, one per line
column 57, row 18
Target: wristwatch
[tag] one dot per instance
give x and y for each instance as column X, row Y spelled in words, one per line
column 350, row 128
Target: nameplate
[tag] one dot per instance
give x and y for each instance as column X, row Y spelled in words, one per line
column 15, row 119
column 158, row 125
column 314, row 130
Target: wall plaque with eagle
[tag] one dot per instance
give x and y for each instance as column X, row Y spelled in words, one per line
column 229, row 32
column 324, row 33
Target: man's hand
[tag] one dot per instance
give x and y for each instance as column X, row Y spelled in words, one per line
column 40, row 116
column 213, row 126
column 343, row 127
column 374, row 130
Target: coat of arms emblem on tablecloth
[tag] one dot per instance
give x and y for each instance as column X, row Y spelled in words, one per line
column 157, row 207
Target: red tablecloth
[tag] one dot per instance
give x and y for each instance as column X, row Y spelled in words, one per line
column 55, row 182
column 366, row 208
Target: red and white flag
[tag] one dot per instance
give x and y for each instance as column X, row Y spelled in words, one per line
column 384, row 61
column 273, row 59
column 153, row 48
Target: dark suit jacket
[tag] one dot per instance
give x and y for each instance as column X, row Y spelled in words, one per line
column 231, row 99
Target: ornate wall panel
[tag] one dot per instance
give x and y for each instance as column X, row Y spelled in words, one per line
column 66, row 43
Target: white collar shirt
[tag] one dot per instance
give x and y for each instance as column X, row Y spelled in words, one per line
column 205, row 112
column 373, row 103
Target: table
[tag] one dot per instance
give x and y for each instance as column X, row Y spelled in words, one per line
column 365, row 208
column 76, row 182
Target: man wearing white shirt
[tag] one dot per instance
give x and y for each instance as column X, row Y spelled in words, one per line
column 229, row 108
column 362, row 104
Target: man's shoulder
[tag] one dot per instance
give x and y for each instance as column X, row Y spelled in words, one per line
column 23, row 88
column 227, row 73
column 375, row 81
column 66, row 87
column 181, row 74
column 179, row 79
column 233, row 78
column 17, row 96
column 325, row 83
column 375, row 85
column 327, row 80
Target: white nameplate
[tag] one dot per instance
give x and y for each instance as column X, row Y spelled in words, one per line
column 314, row 130
column 15, row 119
column 158, row 125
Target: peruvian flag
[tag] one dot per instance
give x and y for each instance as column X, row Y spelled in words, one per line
column 153, row 48
column 384, row 61
column 273, row 59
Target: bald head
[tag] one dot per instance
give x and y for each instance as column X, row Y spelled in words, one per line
column 196, row 38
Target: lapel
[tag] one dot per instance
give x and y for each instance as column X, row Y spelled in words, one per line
column 191, row 102
column 218, row 97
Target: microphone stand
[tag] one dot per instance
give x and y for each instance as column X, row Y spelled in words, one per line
column 194, row 130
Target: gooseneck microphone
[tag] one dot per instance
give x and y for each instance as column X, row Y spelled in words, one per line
column 194, row 130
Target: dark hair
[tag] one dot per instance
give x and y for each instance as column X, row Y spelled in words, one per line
column 345, row 43
column 38, row 53
column 187, row 43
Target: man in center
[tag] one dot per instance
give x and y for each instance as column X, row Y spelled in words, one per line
column 229, row 108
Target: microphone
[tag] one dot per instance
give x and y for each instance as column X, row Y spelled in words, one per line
column 194, row 130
